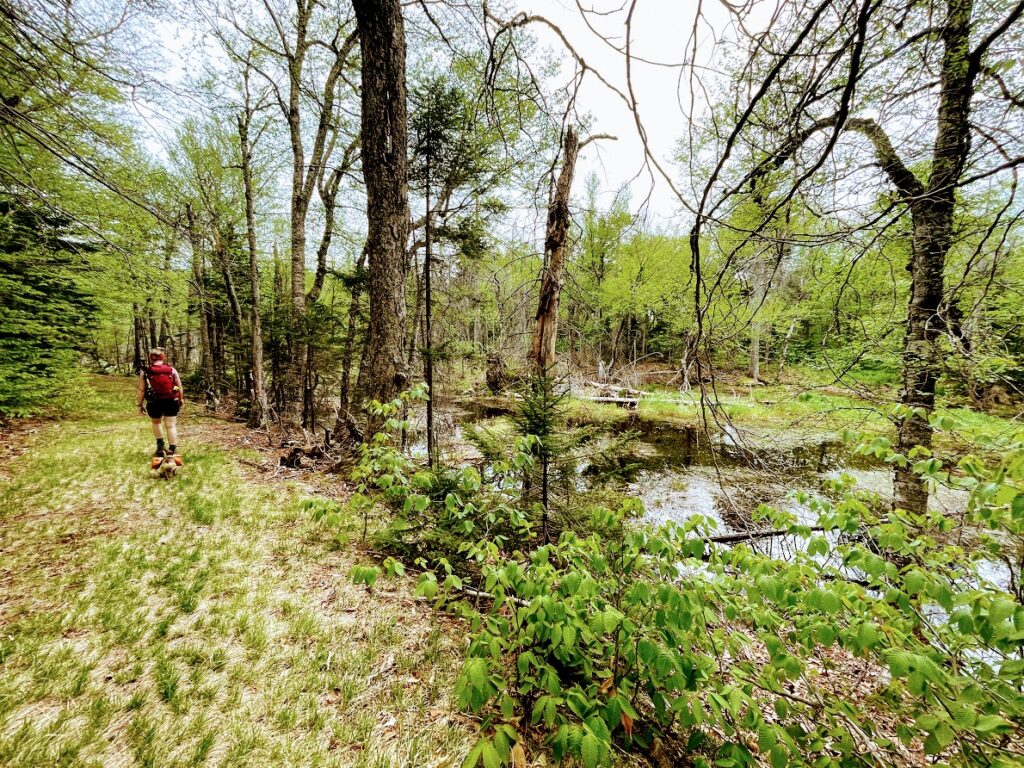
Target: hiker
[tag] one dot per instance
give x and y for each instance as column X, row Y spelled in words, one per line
column 160, row 387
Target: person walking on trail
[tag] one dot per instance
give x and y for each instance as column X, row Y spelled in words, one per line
column 160, row 388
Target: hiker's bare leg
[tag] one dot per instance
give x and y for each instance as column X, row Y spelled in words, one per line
column 157, row 431
column 171, row 422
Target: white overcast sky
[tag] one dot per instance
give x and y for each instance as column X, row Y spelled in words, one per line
column 661, row 31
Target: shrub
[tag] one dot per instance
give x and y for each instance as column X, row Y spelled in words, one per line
column 666, row 639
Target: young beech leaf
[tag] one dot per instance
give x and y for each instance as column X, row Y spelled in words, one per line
column 992, row 724
column 474, row 755
column 590, row 750
column 490, row 755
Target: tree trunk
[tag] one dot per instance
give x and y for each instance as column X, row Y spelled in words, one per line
column 383, row 372
column 291, row 405
column 151, row 323
column 428, row 353
column 755, row 350
column 545, row 329
column 138, row 335
column 328, row 195
column 345, row 394
column 186, row 363
column 258, row 413
column 279, row 349
column 198, row 285
column 224, row 263
column 785, row 350
column 932, row 217
column 165, row 305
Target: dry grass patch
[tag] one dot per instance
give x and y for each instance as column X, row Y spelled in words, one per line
column 204, row 621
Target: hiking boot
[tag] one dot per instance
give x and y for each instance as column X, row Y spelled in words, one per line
column 177, row 460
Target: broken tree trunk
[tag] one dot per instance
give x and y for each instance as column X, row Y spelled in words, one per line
column 545, row 329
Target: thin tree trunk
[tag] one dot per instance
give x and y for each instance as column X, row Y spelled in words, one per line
column 224, row 263
column 428, row 354
column 328, row 194
column 258, row 413
column 785, row 351
column 186, row 364
column 138, row 334
column 345, row 394
column 151, row 323
column 346, row 422
column 383, row 372
column 545, row 329
column 416, row 326
column 165, row 309
column 307, row 173
column 198, row 283
column 280, row 353
column 755, row 350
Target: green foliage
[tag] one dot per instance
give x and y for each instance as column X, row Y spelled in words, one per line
column 630, row 636
column 45, row 310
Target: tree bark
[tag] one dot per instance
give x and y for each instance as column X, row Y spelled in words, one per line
column 345, row 393
column 151, row 323
column 198, row 285
column 279, row 347
column 545, row 329
column 383, row 372
column 258, row 413
column 307, row 174
column 166, row 339
column 224, row 263
column 932, row 216
column 138, row 335
column 755, row 350
column 428, row 354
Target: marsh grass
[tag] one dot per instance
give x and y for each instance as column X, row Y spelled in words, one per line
column 198, row 622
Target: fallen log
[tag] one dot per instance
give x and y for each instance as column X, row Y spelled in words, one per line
column 614, row 387
column 628, row 402
column 734, row 538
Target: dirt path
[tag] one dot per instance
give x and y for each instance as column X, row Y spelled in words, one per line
column 205, row 621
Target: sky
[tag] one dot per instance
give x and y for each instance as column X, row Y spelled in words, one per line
column 661, row 31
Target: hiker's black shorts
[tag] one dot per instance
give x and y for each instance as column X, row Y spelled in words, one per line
column 157, row 409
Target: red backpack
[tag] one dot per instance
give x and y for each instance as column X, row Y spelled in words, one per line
column 160, row 383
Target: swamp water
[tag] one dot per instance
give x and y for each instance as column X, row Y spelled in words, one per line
column 678, row 473
column 675, row 470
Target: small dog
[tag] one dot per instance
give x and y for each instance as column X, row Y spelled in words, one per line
column 167, row 468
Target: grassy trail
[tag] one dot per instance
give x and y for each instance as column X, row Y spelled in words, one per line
column 201, row 622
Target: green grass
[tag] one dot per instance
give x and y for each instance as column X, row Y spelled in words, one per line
column 781, row 411
column 201, row 622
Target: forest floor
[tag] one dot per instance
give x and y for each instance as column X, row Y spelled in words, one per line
column 202, row 621
column 210, row 621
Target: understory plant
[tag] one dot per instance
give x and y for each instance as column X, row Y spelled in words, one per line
column 882, row 637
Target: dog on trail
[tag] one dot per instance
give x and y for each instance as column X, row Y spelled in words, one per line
column 167, row 468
